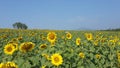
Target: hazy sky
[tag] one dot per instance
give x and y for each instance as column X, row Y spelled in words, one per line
column 61, row 14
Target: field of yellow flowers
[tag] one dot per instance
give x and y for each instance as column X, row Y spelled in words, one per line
column 59, row 49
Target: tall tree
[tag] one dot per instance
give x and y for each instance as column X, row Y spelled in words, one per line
column 19, row 25
column 24, row 26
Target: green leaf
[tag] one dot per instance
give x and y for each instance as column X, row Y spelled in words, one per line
column 26, row 65
column 43, row 61
column 91, row 56
column 91, row 65
column 92, row 48
column 74, row 64
column 110, row 57
column 20, row 62
column 67, row 66
column 34, row 60
column 102, row 61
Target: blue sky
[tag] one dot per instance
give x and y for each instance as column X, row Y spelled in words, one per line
column 61, row 14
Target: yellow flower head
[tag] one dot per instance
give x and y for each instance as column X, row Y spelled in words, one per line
column 82, row 55
column 2, row 65
column 111, row 43
column 62, row 37
column 8, row 65
column 118, row 53
column 118, row 56
column 56, row 59
column 78, row 41
column 95, row 42
column 43, row 38
column 20, row 38
column 15, row 40
column 103, row 40
column 68, row 35
column 44, row 66
column 11, row 65
column 46, row 56
column 98, row 56
column 51, row 36
column 52, row 44
column 9, row 49
column 43, row 46
column 14, row 44
column 89, row 36
column 26, row 46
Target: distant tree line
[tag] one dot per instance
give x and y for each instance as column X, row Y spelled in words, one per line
column 117, row 29
column 19, row 25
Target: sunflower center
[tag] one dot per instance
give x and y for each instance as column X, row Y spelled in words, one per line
column 9, row 49
column 68, row 35
column 29, row 46
column 52, row 36
column 43, row 46
column 56, row 59
column 81, row 55
column 88, row 36
column 78, row 41
column 98, row 56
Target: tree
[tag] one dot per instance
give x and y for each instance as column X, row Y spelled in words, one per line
column 24, row 26
column 19, row 25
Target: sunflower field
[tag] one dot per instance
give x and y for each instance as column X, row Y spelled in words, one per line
column 59, row 49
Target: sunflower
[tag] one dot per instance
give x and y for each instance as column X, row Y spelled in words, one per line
column 111, row 43
column 98, row 56
column 20, row 38
column 2, row 65
column 95, row 42
column 11, row 65
column 52, row 44
column 51, row 36
column 26, row 46
column 82, row 55
column 44, row 66
column 46, row 56
column 78, row 41
column 9, row 49
column 103, row 40
column 118, row 56
column 68, row 35
column 43, row 38
column 56, row 59
column 14, row 44
column 15, row 40
column 89, row 36
column 43, row 46
column 8, row 65
column 63, row 37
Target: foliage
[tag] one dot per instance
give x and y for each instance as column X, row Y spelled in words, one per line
column 102, row 50
column 19, row 25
